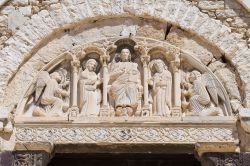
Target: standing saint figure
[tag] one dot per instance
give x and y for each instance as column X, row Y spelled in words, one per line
column 90, row 95
column 125, row 84
column 161, row 84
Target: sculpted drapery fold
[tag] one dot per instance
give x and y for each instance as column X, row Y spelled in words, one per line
column 50, row 94
column 161, row 83
column 121, row 79
column 89, row 93
column 125, row 84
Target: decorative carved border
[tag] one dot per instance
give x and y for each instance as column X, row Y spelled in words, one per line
column 125, row 135
column 29, row 158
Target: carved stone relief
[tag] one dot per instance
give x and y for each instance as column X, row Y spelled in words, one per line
column 49, row 94
column 37, row 158
column 161, row 93
column 125, row 89
column 204, row 95
column 228, row 78
column 89, row 91
column 225, row 159
column 125, row 134
column 125, row 78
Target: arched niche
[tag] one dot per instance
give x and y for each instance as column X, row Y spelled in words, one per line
column 217, row 34
column 146, row 52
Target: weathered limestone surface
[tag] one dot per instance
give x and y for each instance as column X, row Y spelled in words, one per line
column 211, row 159
column 37, row 158
column 86, row 34
column 229, row 80
column 60, row 14
column 215, row 32
column 200, row 49
column 211, row 5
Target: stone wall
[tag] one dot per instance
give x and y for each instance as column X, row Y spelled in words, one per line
column 230, row 13
column 34, row 32
column 24, row 36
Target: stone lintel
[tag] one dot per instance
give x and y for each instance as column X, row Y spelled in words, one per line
column 193, row 120
column 214, row 136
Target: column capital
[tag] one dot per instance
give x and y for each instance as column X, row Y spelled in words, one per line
column 104, row 59
column 175, row 65
column 75, row 63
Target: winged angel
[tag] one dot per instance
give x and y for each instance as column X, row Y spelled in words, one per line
column 50, row 96
column 207, row 97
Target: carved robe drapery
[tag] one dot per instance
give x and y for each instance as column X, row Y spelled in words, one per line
column 51, row 98
column 49, row 95
column 162, row 94
column 161, row 89
column 205, row 101
column 90, row 95
column 125, row 81
column 125, row 78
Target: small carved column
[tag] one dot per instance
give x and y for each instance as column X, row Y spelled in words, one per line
column 177, row 88
column 105, row 81
column 145, row 59
column 105, row 106
column 105, row 84
column 75, row 64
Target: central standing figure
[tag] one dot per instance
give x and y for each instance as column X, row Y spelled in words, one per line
column 125, row 84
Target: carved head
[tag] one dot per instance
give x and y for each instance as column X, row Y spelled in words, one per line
column 158, row 66
column 55, row 75
column 194, row 75
column 125, row 55
column 91, row 64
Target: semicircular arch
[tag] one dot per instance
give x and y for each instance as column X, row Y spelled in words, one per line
column 60, row 17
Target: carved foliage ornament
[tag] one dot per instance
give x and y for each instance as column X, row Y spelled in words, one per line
column 125, row 78
column 125, row 135
column 24, row 158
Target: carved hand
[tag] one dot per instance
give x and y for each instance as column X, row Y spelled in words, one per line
column 98, row 82
column 116, row 73
column 185, row 93
column 150, row 82
column 91, row 88
column 63, row 92
column 66, row 94
column 66, row 84
column 161, row 83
